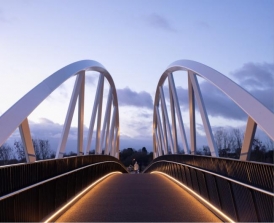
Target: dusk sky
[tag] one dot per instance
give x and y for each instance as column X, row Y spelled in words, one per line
column 135, row 41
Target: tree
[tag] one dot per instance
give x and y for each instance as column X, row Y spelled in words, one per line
column 206, row 151
column 19, row 149
column 269, row 144
column 218, row 136
column 5, row 153
column 42, row 149
column 221, row 139
column 70, row 154
column 238, row 136
column 144, row 150
column 129, row 156
column 91, row 152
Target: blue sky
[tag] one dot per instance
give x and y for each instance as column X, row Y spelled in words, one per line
column 135, row 41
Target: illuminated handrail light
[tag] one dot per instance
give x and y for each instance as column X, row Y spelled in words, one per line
column 218, row 175
column 53, row 178
column 59, row 212
column 196, row 195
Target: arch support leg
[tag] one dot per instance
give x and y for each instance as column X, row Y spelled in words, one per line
column 27, row 141
column 248, row 139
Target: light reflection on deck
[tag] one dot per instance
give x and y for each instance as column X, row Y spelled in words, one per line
column 137, row 197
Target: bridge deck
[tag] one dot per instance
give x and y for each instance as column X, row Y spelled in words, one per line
column 137, row 198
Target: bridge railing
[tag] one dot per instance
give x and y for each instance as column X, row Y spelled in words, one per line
column 30, row 192
column 243, row 191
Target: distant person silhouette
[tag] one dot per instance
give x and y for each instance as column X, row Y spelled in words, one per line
column 136, row 167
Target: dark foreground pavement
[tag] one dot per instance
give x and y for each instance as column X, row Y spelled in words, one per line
column 137, row 198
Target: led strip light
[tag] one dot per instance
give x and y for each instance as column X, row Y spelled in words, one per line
column 217, row 175
column 53, row 178
column 59, row 212
column 196, row 195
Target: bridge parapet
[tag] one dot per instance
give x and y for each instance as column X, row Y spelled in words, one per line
column 243, row 191
column 253, row 173
column 30, row 192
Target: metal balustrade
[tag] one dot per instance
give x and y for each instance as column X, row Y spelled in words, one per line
column 30, row 192
column 238, row 194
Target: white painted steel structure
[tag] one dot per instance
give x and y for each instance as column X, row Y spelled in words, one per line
column 107, row 137
column 165, row 136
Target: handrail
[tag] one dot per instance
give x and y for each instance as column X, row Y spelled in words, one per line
column 218, row 175
column 218, row 158
column 53, row 178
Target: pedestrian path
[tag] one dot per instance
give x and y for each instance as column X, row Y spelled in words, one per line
column 137, row 198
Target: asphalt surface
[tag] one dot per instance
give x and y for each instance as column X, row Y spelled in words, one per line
column 137, row 198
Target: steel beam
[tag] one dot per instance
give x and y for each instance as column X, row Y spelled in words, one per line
column 99, row 117
column 64, row 136
column 178, row 112
column 192, row 119
column 106, row 120
column 81, row 102
column 158, row 148
column 27, row 141
column 114, row 143
column 173, row 119
column 248, row 139
column 94, row 111
column 117, row 141
column 160, row 143
column 208, row 131
column 112, row 130
column 159, row 126
column 155, row 144
column 164, row 129
column 107, row 133
column 163, row 103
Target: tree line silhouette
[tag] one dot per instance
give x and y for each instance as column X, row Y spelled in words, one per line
column 16, row 153
column 228, row 142
column 229, row 145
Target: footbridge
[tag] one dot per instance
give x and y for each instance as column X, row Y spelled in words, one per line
column 173, row 187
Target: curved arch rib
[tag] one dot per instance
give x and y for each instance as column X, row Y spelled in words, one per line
column 257, row 113
column 18, row 113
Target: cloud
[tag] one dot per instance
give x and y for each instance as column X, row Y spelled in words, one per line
column 160, row 22
column 217, row 104
column 255, row 75
column 258, row 80
column 127, row 97
column 91, row 79
column 48, row 130
column 182, row 96
column 45, row 129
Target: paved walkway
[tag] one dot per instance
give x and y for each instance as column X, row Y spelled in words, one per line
column 137, row 198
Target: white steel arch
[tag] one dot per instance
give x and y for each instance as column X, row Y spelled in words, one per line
column 257, row 113
column 17, row 115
